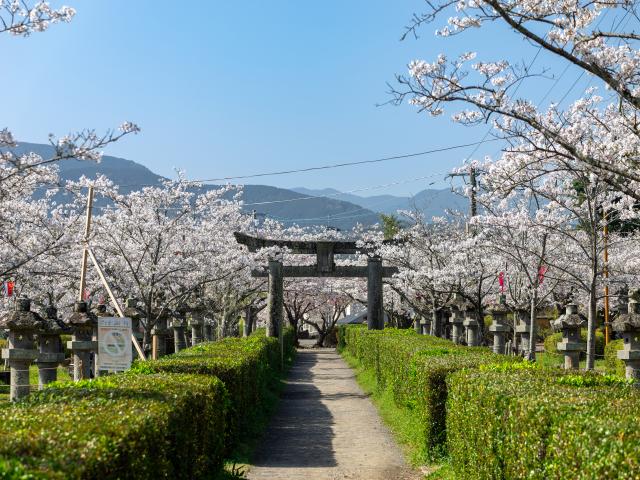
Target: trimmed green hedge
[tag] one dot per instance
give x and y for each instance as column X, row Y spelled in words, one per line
column 611, row 361
column 520, row 421
column 551, row 342
column 123, row 426
column 414, row 368
column 172, row 418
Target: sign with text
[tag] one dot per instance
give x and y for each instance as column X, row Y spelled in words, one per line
column 114, row 344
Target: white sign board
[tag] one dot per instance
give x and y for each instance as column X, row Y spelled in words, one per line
column 114, row 344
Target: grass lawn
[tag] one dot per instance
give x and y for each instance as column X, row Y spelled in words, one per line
column 549, row 359
column 63, row 375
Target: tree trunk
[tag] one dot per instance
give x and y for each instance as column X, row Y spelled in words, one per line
column 591, row 324
column 531, row 354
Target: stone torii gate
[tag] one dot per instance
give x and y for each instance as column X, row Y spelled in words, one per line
column 324, row 267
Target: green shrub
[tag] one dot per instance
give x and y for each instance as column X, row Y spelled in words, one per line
column 612, row 363
column 551, row 342
column 414, row 369
column 133, row 426
column 539, row 423
column 248, row 367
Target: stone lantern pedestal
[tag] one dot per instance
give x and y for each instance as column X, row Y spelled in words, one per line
column 208, row 330
column 571, row 345
column 23, row 324
column 179, row 326
column 458, row 306
column 472, row 330
column 499, row 326
column 196, row 322
column 425, row 326
column 84, row 326
column 159, row 334
column 523, row 329
column 628, row 325
column 133, row 311
column 50, row 348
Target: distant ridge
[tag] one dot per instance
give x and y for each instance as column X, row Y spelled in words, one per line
column 288, row 206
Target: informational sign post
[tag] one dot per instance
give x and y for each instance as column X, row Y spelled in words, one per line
column 114, row 344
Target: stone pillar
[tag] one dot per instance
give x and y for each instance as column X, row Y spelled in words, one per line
column 499, row 325
column 375, row 306
column 570, row 324
column 472, row 329
column 425, row 325
column 208, row 330
column 84, row 326
column 159, row 334
column 523, row 328
column 197, row 325
column 22, row 324
column 275, row 298
column 50, row 349
column 179, row 336
column 457, row 320
column 628, row 325
column 416, row 324
column 133, row 311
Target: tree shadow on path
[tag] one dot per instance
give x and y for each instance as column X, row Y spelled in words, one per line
column 300, row 433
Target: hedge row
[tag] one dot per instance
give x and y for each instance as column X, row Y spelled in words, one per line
column 414, row 368
column 174, row 418
column 521, row 421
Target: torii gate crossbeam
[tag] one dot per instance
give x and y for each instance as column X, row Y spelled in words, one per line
column 324, row 267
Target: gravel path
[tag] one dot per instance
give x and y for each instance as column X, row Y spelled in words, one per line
column 326, row 428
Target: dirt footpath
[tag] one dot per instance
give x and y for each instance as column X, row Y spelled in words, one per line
column 327, row 429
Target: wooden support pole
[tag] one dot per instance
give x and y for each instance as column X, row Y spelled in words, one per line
column 116, row 305
column 87, row 230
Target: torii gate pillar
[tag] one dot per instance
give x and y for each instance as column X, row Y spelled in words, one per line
column 275, row 298
column 375, row 308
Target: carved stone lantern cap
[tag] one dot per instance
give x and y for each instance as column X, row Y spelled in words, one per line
column 570, row 319
column 81, row 316
column 458, row 302
column 499, row 308
column 51, row 324
column 21, row 318
column 131, row 309
column 630, row 321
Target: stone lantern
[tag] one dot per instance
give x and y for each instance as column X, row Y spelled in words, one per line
column 23, row 324
column 196, row 322
column 472, row 328
column 570, row 324
column 159, row 334
column 135, row 313
column 100, row 310
column 208, row 330
column 179, row 325
column 499, row 327
column 523, row 328
column 458, row 306
column 50, row 349
column 84, row 326
column 425, row 325
column 628, row 325
column 416, row 324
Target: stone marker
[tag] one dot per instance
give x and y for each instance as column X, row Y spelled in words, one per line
column 570, row 324
column 50, row 349
column 84, row 326
column 499, row 326
column 23, row 324
column 628, row 325
column 425, row 325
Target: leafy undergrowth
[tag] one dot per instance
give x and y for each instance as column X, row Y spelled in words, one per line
column 402, row 424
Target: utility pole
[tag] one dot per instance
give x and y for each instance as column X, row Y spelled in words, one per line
column 473, row 181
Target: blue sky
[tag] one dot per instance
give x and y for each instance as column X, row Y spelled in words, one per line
column 242, row 87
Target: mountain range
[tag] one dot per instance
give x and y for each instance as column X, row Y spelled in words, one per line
column 300, row 206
